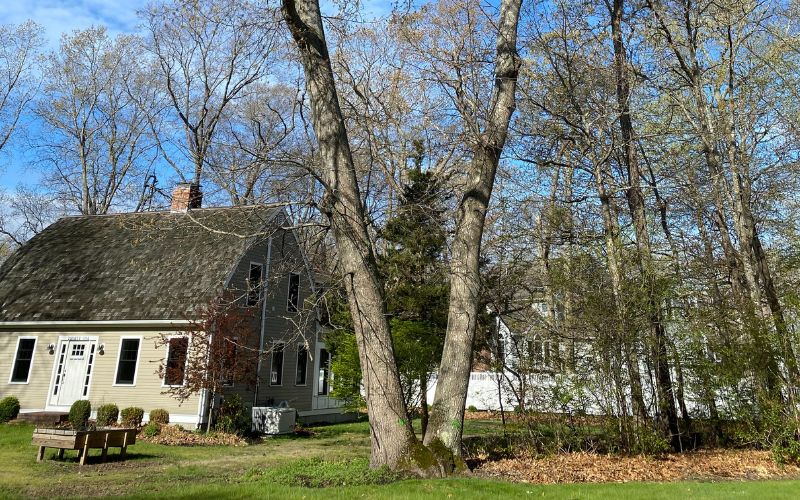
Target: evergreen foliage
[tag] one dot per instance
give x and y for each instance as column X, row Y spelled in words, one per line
column 107, row 415
column 79, row 414
column 9, row 408
column 416, row 292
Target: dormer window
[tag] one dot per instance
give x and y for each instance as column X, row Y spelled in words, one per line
column 254, row 283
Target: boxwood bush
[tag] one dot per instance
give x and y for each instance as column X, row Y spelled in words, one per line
column 9, row 408
column 132, row 416
column 79, row 414
column 107, row 415
column 159, row 416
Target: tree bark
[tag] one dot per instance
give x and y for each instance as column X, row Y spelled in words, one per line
column 636, row 204
column 447, row 411
column 622, row 335
column 765, row 359
column 390, row 428
column 424, row 414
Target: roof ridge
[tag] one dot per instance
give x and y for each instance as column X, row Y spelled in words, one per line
column 154, row 212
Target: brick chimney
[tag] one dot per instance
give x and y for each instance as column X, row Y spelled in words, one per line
column 185, row 197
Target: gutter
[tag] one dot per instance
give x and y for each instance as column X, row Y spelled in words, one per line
column 10, row 325
column 265, row 279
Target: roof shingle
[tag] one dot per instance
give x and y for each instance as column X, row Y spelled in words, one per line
column 138, row 266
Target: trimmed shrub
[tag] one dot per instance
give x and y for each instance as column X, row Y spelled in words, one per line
column 9, row 409
column 79, row 414
column 132, row 416
column 159, row 416
column 107, row 415
column 152, row 429
column 472, row 408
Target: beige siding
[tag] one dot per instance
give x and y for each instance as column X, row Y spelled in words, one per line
column 33, row 394
column 147, row 392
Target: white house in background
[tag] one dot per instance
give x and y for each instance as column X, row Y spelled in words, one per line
column 536, row 366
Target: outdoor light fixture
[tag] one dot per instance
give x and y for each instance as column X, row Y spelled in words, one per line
column 102, row 349
column 51, row 348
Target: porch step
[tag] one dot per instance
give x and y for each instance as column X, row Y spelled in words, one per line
column 44, row 418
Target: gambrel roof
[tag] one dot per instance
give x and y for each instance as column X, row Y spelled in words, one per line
column 134, row 266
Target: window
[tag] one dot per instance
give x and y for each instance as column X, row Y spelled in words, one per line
column 276, row 375
column 302, row 365
column 77, row 351
column 126, row 366
column 294, row 292
column 22, row 361
column 254, row 283
column 228, row 358
column 176, row 361
column 323, row 387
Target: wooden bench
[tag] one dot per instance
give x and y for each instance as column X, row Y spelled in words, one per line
column 83, row 441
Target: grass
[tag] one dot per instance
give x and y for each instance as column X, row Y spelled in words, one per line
column 333, row 462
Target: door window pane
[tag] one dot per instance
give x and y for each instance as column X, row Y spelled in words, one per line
column 324, row 372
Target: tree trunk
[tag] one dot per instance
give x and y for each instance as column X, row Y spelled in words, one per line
column 447, row 412
column 621, row 339
column 635, row 197
column 390, row 427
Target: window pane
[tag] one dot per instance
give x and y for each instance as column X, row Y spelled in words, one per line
column 22, row 361
column 294, row 293
column 176, row 361
column 128, row 354
column 302, row 365
column 254, row 284
column 276, row 377
column 324, row 372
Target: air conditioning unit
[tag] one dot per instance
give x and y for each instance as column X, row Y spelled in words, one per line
column 273, row 420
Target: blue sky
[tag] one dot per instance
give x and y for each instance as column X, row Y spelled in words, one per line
column 57, row 17
column 64, row 16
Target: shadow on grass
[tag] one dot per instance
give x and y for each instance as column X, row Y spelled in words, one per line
column 71, row 457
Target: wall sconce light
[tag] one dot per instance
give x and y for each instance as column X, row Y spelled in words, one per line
column 102, row 349
column 51, row 349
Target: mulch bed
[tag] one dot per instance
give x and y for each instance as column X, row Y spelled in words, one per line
column 594, row 468
column 174, row 435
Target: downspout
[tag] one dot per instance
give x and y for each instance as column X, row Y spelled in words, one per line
column 263, row 319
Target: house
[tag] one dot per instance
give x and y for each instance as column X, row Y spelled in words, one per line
column 92, row 306
column 524, row 363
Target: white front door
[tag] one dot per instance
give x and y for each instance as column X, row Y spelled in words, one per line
column 73, row 371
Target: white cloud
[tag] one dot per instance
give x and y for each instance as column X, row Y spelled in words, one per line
column 57, row 17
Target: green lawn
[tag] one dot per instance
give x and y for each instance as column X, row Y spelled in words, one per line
column 275, row 469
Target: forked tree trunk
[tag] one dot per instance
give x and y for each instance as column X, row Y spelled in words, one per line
column 447, row 411
column 390, row 428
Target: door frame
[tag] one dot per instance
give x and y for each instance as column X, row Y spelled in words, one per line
column 61, row 340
